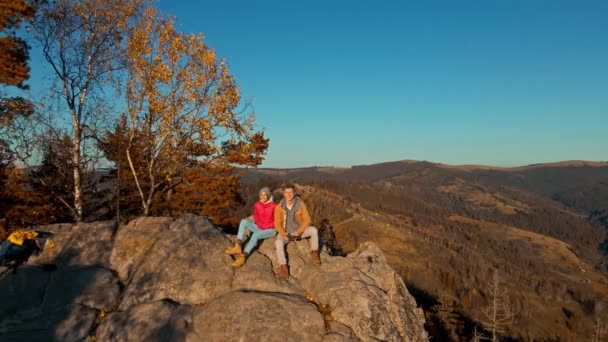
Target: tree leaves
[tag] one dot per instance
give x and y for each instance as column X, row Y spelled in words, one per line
column 182, row 108
column 14, row 51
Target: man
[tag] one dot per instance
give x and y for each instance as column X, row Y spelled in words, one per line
column 292, row 221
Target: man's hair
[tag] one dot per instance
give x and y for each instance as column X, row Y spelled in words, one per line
column 289, row 186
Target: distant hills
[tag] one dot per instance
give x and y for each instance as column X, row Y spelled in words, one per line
column 446, row 227
column 396, row 164
column 387, row 169
column 566, row 163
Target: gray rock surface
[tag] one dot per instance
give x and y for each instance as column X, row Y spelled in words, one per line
column 157, row 321
column 92, row 287
column 68, row 323
column 258, row 275
column 22, row 294
column 133, row 242
column 185, row 262
column 362, row 291
column 58, row 294
column 85, row 244
column 163, row 279
column 268, row 316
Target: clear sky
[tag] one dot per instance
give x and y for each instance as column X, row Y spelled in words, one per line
column 341, row 83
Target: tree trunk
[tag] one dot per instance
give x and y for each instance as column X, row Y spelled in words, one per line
column 77, row 174
column 118, row 189
column 144, row 204
column 147, row 206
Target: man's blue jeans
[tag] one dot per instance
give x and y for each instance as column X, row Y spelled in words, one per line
column 256, row 234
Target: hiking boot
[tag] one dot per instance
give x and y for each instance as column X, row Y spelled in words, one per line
column 234, row 250
column 240, row 260
column 283, row 272
column 316, row 260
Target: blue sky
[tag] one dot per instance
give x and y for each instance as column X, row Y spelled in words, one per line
column 341, row 83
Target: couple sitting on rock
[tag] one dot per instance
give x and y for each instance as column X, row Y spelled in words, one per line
column 289, row 218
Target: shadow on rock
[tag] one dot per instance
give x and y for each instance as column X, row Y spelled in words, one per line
column 56, row 300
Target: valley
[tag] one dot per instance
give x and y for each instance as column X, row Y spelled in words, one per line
column 446, row 230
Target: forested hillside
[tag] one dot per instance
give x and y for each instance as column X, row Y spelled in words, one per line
column 450, row 230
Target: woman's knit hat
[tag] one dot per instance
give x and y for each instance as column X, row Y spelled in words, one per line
column 266, row 190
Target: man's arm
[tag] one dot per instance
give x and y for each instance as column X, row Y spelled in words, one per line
column 305, row 219
column 278, row 221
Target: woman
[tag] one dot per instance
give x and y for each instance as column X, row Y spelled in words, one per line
column 261, row 227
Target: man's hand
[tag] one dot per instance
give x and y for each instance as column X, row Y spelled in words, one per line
column 285, row 236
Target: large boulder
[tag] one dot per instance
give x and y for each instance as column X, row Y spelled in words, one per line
column 133, row 242
column 258, row 275
column 22, row 294
column 156, row 321
column 257, row 316
column 159, row 279
column 67, row 323
column 59, row 293
column 62, row 304
column 360, row 291
column 184, row 261
column 83, row 244
column 93, row 287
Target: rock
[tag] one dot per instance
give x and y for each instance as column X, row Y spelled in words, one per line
column 92, row 287
column 157, row 321
column 68, row 323
column 339, row 332
column 257, row 316
column 133, row 242
column 257, row 274
column 362, row 291
column 33, row 291
column 166, row 279
column 408, row 319
column 22, row 294
column 37, row 304
column 298, row 254
column 57, row 292
column 184, row 262
column 84, row 244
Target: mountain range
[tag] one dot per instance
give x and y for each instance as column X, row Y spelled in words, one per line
column 450, row 230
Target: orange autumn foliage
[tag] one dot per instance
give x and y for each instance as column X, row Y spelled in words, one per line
column 182, row 110
column 23, row 204
column 14, row 52
column 207, row 191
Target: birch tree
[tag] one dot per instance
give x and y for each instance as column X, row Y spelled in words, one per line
column 82, row 42
column 182, row 107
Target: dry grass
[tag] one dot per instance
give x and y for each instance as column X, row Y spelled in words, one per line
column 451, row 260
column 480, row 197
column 552, row 251
column 399, row 246
column 414, row 259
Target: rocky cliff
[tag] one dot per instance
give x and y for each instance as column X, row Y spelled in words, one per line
column 163, row 279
